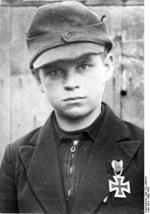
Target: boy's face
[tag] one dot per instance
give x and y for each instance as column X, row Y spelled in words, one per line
column 75, row 87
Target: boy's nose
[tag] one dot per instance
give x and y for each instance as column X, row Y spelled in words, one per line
column 71, row 80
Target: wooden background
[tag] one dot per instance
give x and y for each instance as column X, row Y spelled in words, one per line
column 23, row 107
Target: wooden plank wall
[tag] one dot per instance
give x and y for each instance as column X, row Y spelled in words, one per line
column 23, row 107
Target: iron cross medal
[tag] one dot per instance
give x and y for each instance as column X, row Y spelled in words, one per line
column 118, row 185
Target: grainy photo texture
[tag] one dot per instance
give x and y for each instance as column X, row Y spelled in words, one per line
column 71, row 107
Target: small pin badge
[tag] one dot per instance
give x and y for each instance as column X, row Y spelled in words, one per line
column 118, row 185
column 105, row 199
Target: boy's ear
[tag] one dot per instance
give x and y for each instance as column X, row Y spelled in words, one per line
column 109, row 65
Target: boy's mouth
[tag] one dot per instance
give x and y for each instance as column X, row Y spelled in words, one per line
column 74, row 98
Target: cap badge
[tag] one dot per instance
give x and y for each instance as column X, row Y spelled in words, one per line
column 118, row 185
column 67, row 35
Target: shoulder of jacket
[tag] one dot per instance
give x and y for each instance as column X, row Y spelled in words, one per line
column 121, row 128
column 12, row 148
column 25, row 140
column 135, row 132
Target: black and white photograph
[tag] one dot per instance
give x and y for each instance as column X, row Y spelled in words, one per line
column 72, row 107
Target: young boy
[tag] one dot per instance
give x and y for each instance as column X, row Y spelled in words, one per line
column 84, row 160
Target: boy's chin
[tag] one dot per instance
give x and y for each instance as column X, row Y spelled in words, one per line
column 73, row 114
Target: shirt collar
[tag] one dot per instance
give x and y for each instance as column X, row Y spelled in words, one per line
column 89, row 132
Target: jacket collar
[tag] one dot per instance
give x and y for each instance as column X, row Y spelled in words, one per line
column 41, row 162
column 89, row 132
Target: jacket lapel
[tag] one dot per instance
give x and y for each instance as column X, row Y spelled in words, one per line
column 94, row 183
column 43, row 170
column 112, row 143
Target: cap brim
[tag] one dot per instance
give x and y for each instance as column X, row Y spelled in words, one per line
column 69, row 51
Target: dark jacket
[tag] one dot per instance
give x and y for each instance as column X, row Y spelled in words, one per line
column 30, row 180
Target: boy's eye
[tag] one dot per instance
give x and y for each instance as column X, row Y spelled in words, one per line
column 54, row 73
column 83, row 67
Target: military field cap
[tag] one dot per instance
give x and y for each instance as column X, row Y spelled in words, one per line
column 65, row 30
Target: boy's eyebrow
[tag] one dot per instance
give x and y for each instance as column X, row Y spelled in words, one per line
column 80, row 58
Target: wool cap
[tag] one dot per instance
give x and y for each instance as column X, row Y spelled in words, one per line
column 65, row 30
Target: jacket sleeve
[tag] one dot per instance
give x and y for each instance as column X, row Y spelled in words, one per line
column 8, row 194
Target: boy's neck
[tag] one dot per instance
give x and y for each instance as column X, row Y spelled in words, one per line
column 67, row 124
